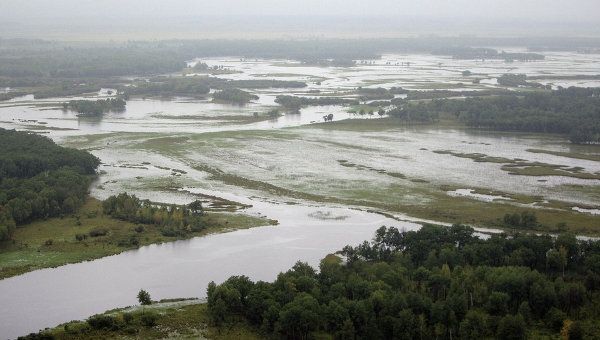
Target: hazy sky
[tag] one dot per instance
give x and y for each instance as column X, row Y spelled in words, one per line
column 542, row 10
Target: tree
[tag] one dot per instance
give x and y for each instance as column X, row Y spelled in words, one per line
column 299, row 317
column 511, row 327
column 144, row 298
column 474, row 325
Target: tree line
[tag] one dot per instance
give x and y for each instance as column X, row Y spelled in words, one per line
column 39, row 179
column 572, row 111
column 437, row 282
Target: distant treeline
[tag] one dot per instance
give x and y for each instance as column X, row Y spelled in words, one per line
column 572, row 111
column 485, row 53
column 38, row 58
column 39, row 179
column 95, row 107
column 437, row 282
column 174, row 220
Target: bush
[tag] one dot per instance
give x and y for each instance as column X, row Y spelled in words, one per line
column 149, row 319
column 102, row 322
column 512, row 327
column 555, row 318
column 139, row 229
column 97, row 232
column 127, row 318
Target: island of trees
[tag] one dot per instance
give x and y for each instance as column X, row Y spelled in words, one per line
column 95, row 107
column 173, row 220
column 235, row 96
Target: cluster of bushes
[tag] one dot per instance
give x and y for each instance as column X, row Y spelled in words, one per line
column 95, row 107
column 39, row 179
column 444, row 283
column 524, row 220
column 173, row 219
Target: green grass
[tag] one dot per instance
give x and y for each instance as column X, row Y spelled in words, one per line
column 52, row 243
column 176, row 320
column 576, row 155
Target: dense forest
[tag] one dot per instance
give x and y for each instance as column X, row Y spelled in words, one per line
column 437, row 282
column 39, row 179
column 173, row 219
column 572, row 111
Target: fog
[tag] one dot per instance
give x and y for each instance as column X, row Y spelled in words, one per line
column 110, row 19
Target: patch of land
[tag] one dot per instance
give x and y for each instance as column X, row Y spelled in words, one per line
column 174, row 319
column 54, row 242
column 576, row 155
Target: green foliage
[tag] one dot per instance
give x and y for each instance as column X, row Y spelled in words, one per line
column 39, row 179
column 435, row 282
column 144, row 297
column 525, row 220
column 95, row 107
column 236, row 96
column 175, row 220
column 512, row 327
column 102, row 321
column 149, row 319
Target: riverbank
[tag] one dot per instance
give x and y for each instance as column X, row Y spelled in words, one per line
column 174, row 319
column 59, row 241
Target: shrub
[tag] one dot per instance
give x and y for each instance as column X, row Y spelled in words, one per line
column 127, row 318
column 98, row 232
column 102, row 322
column 149, row 319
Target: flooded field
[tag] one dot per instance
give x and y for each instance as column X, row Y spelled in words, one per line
column 328, row 184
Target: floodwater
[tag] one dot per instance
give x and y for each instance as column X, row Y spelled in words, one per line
column 137, row 145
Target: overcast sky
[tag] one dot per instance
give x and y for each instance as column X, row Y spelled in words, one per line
column 542, row 10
